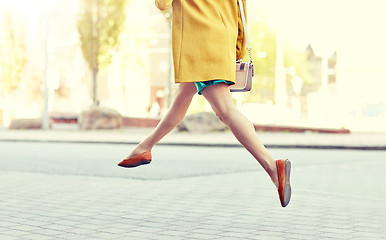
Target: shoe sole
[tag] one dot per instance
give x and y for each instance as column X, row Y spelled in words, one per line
column 143, row 162
column 287, row 184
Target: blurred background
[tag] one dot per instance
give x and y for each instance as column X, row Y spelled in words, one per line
column 318, row 63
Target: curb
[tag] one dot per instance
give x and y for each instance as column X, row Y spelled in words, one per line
column 225, row 145
column 153, row 122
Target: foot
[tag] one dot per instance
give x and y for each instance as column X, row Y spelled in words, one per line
column 138, row 150
column 284, row 189
column 137, row 160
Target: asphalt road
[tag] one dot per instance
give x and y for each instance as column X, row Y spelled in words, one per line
column 346, row 172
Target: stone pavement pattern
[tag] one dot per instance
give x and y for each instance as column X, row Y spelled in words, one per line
column 227, row 206
column 336, row 195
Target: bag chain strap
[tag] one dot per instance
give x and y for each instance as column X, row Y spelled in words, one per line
column 249, row 49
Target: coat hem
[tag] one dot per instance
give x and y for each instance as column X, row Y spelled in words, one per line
column 210, row 79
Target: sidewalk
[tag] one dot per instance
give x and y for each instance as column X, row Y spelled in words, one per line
column 332, row 198
column 335, row 194
column 227, row 207
column 363, row 141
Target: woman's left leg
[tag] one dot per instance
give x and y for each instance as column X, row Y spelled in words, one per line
column 220, row 99
column 172, row 118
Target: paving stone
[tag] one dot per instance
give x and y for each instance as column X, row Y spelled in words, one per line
column 6, row 224
column 25, row 228
column 9, row 237
column 41, row 237
column 201, row 236
column 48, row 232
column 101, row 235
column 15, row 233
column 178, row 209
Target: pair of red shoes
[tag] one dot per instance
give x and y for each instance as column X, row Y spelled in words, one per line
column 283, row 173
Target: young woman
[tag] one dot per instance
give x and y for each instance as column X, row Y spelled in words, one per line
column 207, row 38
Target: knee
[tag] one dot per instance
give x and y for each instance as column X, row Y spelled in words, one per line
column 220, row 116
column 184, row 95
column 225, row 113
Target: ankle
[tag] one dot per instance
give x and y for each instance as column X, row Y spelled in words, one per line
column 270, row 167
column 143, row 147
column 273, row 174
column 140, row 148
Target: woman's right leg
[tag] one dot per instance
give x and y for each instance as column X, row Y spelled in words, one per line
column 220, row 99
column 173, row 117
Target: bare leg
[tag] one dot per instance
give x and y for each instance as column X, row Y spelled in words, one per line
column 173, row 117
column 220, row 99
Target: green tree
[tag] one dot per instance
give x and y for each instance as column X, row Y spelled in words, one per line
column 99, row 27
column 12, row 54
column 263, row 43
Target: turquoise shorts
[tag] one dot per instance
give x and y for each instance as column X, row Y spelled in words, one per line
column 202, row 85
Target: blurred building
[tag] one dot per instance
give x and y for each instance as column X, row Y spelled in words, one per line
column 316, row 70
column 136, row 83
column 319, row 96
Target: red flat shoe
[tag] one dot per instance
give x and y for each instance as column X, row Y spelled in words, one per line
column 137, row 160
column 283, row 173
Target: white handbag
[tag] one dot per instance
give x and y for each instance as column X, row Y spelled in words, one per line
column 244, row 70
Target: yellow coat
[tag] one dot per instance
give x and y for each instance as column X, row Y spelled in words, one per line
column 207, row 38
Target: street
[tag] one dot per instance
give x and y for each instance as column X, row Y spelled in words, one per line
column 76, row 191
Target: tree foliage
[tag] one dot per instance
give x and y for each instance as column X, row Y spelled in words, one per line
column 263, row 43
column 99, row 26
column 12, row 54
